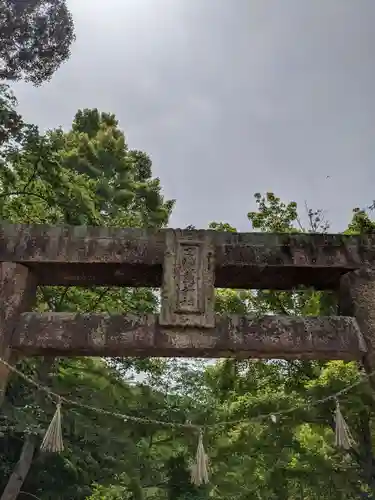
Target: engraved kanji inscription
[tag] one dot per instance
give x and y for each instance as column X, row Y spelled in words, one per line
column 188, row 277
column 188, row 281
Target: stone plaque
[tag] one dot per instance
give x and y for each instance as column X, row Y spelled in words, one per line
column 188, row 280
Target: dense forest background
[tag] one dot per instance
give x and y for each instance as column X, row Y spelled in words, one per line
column 88, row 175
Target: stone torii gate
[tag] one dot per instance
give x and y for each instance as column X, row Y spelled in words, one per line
column 187, row 265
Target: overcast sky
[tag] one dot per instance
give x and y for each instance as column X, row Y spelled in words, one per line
column 230, row 97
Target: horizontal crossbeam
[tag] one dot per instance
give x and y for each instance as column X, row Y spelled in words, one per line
column 134, row 257
column 69, row 334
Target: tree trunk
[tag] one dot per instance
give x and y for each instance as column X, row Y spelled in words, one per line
column 366, row 457
column 18, row 476
column 21, row 470
column 136, row 489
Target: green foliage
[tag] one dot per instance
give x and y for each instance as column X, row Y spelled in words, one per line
column 10, row 121
column 35, row 38
column 294, row 457
column 360, row 223
column 47, row 179
column 88, row 176
column 273, row 215
column 117, row 492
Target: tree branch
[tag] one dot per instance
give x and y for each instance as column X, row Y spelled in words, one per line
column 49, row 303
column 30, row 495
column 63, row 296
column 25, row 193
column 32, row 176
column 95, row 303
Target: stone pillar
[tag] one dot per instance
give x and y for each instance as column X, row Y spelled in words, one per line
column 17, row 295
column 357, row 298
column 187, row 295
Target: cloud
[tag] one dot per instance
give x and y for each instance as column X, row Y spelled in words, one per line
column 230, row 98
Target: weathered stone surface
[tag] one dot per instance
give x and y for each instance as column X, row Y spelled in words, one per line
column 134, row 257
column 357, row 298
column 188, row 293
column 80, row 244
column 234, row 336
column 17, row 294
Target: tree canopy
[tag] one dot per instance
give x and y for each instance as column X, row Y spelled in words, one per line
column 35, row 38
column 88, row 175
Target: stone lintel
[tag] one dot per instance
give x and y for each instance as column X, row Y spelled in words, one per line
column 66, row 255
column 69, row 334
